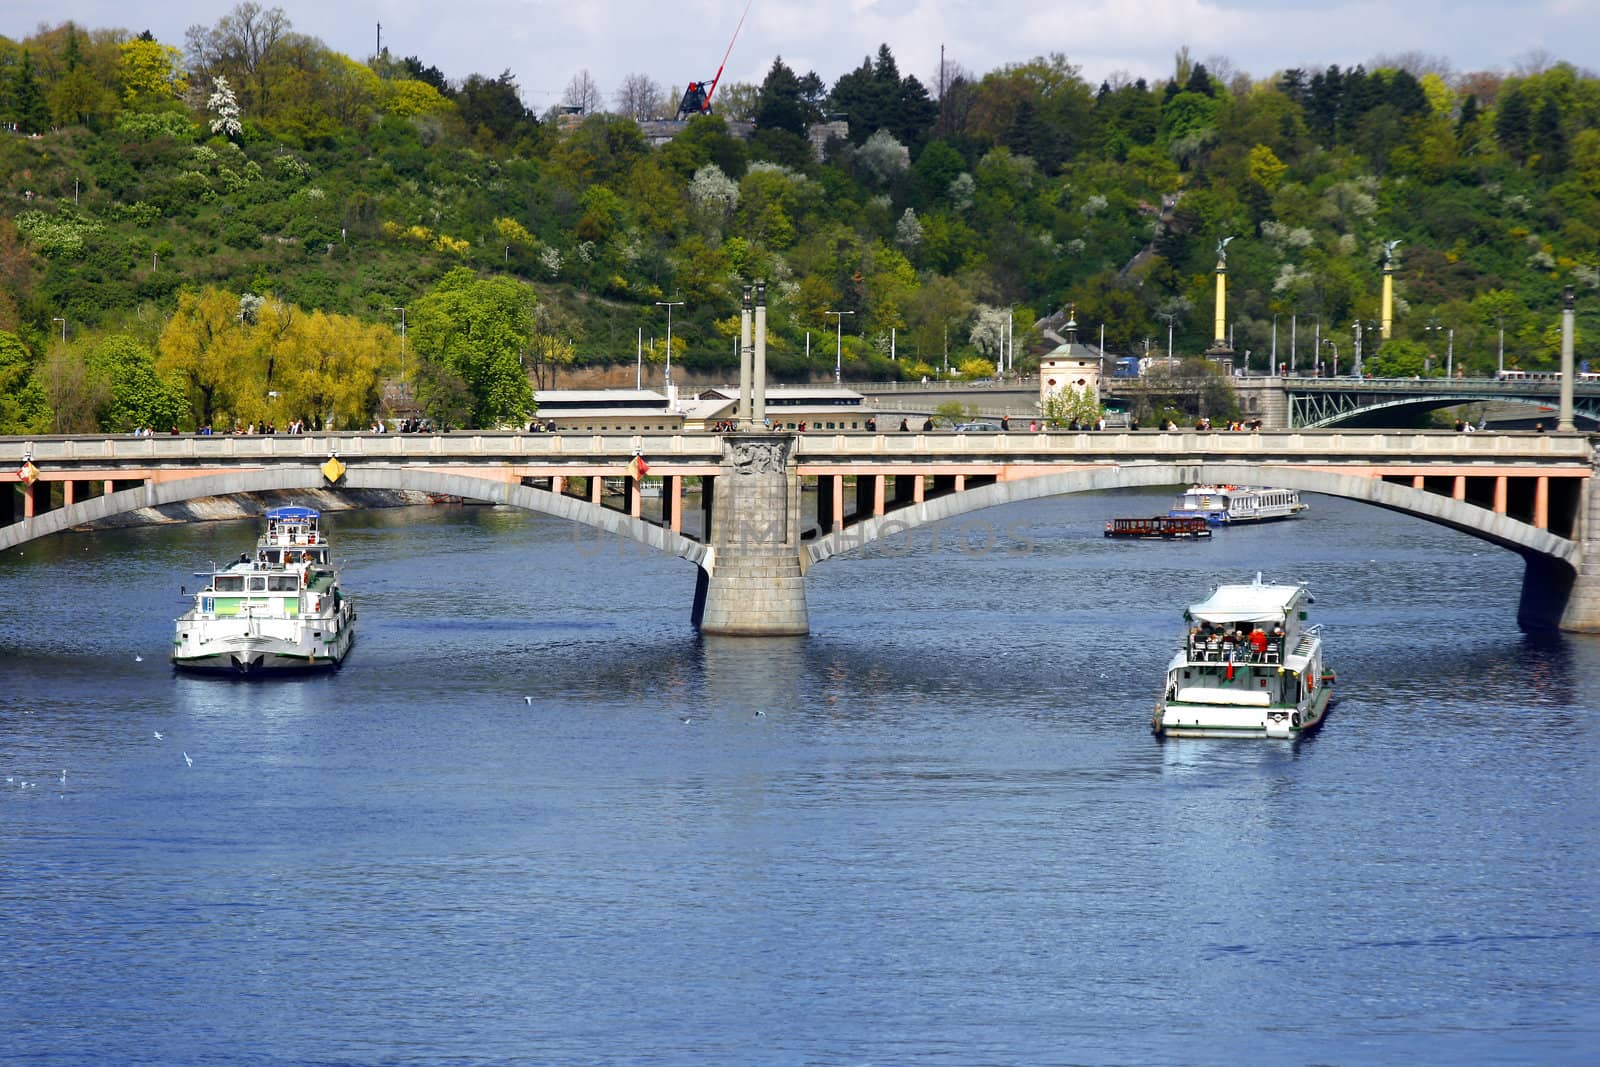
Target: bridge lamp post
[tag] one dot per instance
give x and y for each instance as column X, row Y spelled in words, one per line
column 838, row 345
column 667, row 376
column 63, row 323
column 1331, row 343
column 1500, row 366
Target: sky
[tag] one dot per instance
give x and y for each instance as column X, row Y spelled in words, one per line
column 544, row 43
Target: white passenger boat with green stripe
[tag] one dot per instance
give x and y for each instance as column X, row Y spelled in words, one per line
column 277, row 611
column 1250, row 666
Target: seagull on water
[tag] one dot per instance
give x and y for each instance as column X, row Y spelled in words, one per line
column 686, row 722
column 158, row 735
column 187, row 760
column 138, row 659
column 528, row 701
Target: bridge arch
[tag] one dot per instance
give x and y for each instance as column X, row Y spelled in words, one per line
column 1534, row 544
column 366, row 476
column 1583, row 411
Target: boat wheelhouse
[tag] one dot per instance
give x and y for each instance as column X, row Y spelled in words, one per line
column 1250, row 666
column 1224, row 505
column 280, row 610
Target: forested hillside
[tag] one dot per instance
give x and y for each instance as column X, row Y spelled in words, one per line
column 227, row 230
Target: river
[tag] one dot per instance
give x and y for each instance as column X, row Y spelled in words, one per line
column 536, row 819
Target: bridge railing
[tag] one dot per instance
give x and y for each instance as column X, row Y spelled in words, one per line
column 1333, row 446
column 101, row 453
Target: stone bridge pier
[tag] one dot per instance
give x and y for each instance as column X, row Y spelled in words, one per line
column 1581, row 612
column 750, row 582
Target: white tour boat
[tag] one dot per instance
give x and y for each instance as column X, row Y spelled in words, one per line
column 1224, row 505
column 280, row 610
column 1250, row 666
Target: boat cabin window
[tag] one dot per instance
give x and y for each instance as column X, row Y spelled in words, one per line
column 229, row 583
column 282, row 583
column 258, row 583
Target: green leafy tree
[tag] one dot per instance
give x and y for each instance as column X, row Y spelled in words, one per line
column 24, row 407
column 1071, row 406
column 1397, row 359
column 494, row 106
column 476, row 330
column 137, row 395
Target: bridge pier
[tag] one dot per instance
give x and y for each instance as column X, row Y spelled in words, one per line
column 1581, row 613
column 750, row 584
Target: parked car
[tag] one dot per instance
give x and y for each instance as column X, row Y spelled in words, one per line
column 977, row 427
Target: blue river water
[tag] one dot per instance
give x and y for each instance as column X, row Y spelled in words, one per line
column 536, row 819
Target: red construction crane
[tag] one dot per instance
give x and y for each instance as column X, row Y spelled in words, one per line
column 697, row 98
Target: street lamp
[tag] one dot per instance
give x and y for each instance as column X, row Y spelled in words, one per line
column 402, row 347
column 838, row 344
column 667, row 377
column 63, row 323
column 1169, row 316
column 1331, row 343
column 1434, row 325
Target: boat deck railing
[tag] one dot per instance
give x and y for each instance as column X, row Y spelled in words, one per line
column 1226, row 650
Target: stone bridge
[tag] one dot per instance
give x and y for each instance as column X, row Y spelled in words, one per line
column 770, row 506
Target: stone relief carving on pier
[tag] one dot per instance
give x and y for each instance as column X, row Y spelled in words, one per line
column 759, row 457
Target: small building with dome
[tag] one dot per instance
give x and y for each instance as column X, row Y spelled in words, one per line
column 1072, row 364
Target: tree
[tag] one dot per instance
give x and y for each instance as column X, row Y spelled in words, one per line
column 1072, row 405
column 32, row 114
column 203, row 345
column 551, row 344
column 137, row 395
column 226, row 109
column 937, row 306
column 78, row 95
column 781, row 104
column 639, row 98
column 151, row 72
column 23, row 405
column 1513, row 124
column 1549, row 138
column 493, row 105
column 328, row 369
column 582, row 93
column 243, row 44
column 476, row 330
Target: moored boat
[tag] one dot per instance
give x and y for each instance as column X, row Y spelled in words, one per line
column 1225, row 505
column 280, row 610
column 1250, row 666
column 1159, row 527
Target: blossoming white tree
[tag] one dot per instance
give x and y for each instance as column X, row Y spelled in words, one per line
column 226, row 108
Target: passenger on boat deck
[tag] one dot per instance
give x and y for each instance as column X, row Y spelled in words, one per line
column 1258, row 642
